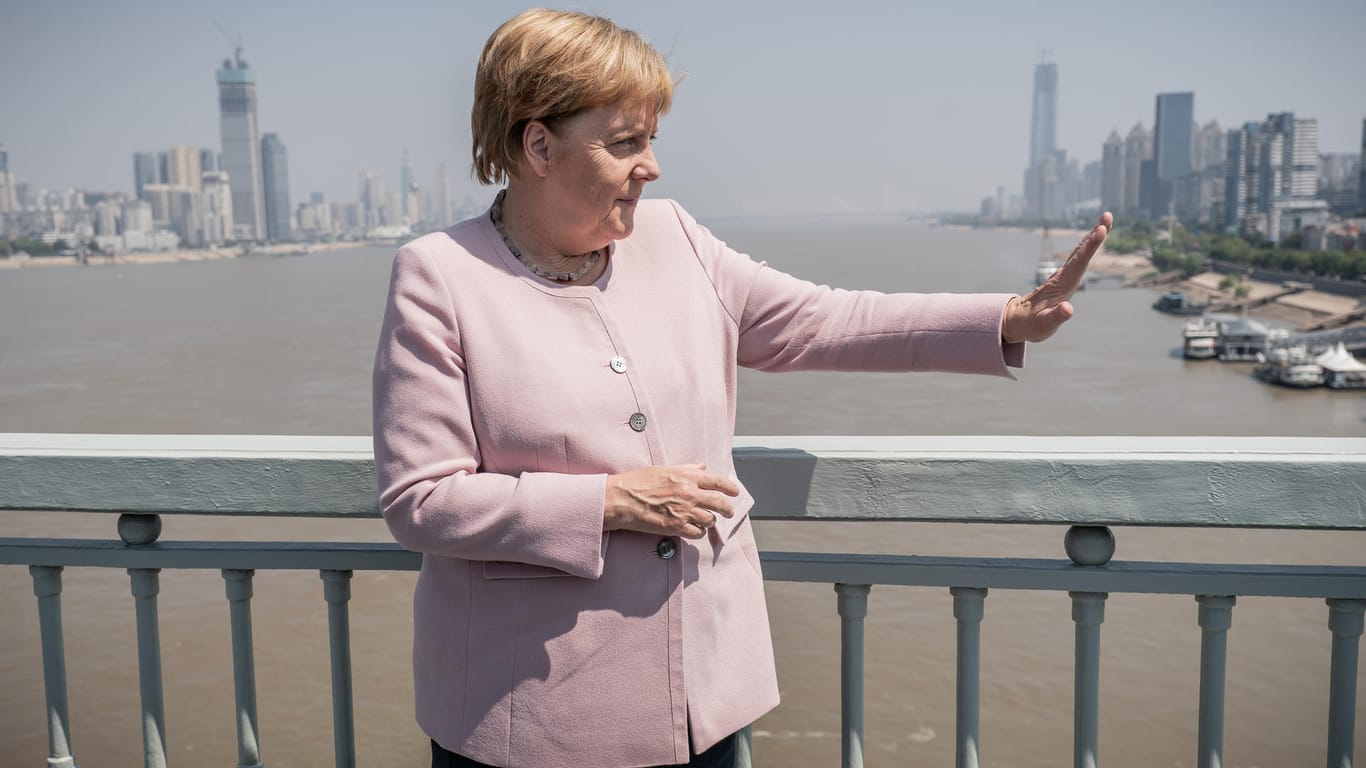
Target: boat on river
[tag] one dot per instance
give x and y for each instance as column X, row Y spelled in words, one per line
column 1200, row 339
column 1177, row 303
column 1290, row 367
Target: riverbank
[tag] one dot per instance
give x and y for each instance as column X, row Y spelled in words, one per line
column 183, row 255
column 1266, row 301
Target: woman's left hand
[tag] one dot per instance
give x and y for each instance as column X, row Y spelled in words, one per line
column 1039, row 314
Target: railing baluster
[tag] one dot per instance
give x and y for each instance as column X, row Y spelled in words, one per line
column 744, row 748
column 47, row 587
column 1088, row 611
column 853, row 607
column 968, row 605
column 146, row 585
column 1345, row 619
column 1216, row 616
column 337, row 591
column 237, row 583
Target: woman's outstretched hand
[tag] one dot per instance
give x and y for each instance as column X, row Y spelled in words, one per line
column 1039, row 314
column 673, row 501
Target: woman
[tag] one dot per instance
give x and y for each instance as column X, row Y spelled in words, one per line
column 554, row 408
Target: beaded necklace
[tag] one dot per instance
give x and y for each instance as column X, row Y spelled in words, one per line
column 496, row 215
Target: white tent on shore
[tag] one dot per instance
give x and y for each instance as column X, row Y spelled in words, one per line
column 1341, row 370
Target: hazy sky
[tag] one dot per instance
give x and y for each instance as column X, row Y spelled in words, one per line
column 785, row 108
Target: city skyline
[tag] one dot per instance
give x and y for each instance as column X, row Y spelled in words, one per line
column 922, row 109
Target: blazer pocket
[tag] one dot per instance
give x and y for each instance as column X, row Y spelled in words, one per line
column 504, row 569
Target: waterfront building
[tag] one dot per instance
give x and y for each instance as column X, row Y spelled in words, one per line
column 1338, row 179
column 137, row 216
column 1043, row 125
column 405, row 175
column 9, row 199
column 177, row 208
column 1112, row 173
column 392, row 212
column 1171, row 147
column 275, row 178
column 106, row 218
column 412, row 206
column 1043, row 175
column 1138, row 149
column 372, row 198
column 183, row 166
column 1271, row 176
column 442, row 214
column 241, row 156
column 1361, row 173
column 217, row 207
column 208, row 161
column 1210, row 148
column 145, row 171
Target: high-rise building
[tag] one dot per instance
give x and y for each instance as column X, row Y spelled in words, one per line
column 372, row 198
column 241, row 156
column 1361, row 177
column 441, row 199
column 1043, row 177
column 1043, row 124
column 208, row 162
column 1112, row 174
column 1172, row 141
column 1271, row 176
column 183, row 167
column 217, row 207
column 1210, row 148
column 9, row 200
column 275, row 181
column 405, row 175
column 145, row 172
column 1138, row 149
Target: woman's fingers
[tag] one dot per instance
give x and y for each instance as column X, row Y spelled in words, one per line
column 681, row 500
column 709, row 481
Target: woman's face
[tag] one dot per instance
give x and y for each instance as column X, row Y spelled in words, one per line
column 600, row 161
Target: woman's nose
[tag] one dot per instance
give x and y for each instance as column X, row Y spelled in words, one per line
column 648, row 168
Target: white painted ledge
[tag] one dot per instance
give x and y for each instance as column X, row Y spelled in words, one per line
column 1157, row 481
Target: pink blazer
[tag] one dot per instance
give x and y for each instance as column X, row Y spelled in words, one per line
column 501, row 404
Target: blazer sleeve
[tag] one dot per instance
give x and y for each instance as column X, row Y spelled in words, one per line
column 432, row 492
column 789, row 324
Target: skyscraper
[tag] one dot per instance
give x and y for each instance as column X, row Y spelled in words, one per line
column 1138, row 149
column 1361, row 178
column 1043, row 125
column 405, row 175
column 1112, row 174
column 9, row 201
column 144, row 172
column 1172, row 141
column 217, row 191
column 183, row 167
column 241, row 157
column 1271, row 177
column 275, row 176
column 441, row 199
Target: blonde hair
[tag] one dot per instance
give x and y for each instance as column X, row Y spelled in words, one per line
column 547, row 65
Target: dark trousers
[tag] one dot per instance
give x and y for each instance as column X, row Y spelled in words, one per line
column 720, row 756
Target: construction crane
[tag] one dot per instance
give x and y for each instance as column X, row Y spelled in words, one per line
column 236, row 45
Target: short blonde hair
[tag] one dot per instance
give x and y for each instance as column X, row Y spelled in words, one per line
column 547, row 65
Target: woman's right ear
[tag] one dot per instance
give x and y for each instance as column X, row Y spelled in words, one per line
column 536, row 141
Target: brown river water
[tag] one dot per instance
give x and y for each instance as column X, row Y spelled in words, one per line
column 282, row 345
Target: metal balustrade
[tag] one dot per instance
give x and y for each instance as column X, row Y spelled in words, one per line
column 1089, row 484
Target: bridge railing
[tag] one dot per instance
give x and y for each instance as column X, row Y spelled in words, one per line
column 1087, row 484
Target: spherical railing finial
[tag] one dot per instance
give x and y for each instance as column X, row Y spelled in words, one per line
column 138, row 528
column 1089, row 544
